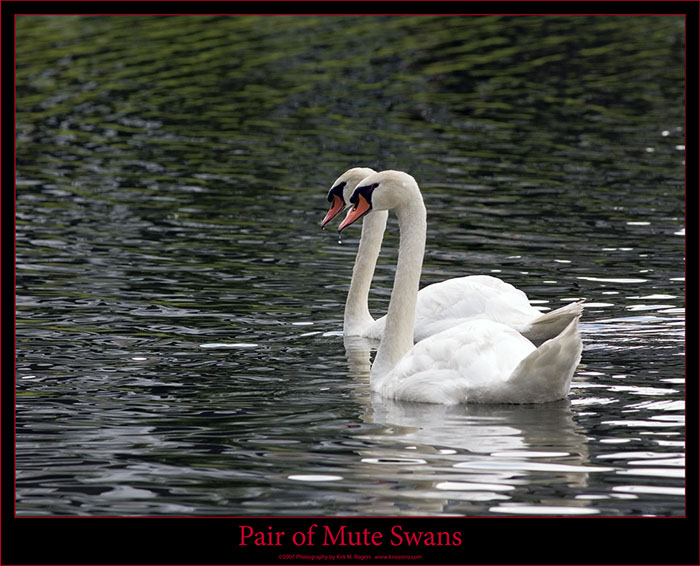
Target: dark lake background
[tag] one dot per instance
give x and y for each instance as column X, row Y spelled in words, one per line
column 179, row 311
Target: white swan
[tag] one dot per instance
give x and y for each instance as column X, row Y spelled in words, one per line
column 479, row 361
column 440, row 305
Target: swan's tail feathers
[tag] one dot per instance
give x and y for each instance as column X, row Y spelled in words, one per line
column 545, row 374
column 553, row 323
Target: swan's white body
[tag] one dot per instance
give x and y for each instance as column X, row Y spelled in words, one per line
column 440, row 305
column 478, row 361
column 484, row 362
column 481, row 297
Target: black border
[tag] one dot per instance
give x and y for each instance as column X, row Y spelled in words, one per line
column 492, row 540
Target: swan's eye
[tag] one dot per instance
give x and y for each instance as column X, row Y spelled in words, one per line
column 365, row 191
column 336, row 191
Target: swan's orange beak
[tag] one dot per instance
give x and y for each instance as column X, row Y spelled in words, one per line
column 354, row 214
column 336, row 207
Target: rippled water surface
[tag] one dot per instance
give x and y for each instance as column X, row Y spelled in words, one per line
column 179, row 310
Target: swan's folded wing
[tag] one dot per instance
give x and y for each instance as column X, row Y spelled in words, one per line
column 459, row 365
column 545, row 375
column 552, row 323
column 454, row 301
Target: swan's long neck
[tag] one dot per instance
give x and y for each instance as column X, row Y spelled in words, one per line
column 398, row 332
column 357, row 315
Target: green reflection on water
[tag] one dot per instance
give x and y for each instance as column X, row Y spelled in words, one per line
column 268, row 90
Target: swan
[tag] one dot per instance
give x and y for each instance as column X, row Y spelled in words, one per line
column 477, row 361
column 440, row 305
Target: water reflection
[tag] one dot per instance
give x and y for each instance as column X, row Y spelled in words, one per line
column 474, row 452
column 506, row 446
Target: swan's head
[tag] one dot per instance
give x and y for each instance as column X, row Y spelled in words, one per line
column 339, row 195
column 381, row 191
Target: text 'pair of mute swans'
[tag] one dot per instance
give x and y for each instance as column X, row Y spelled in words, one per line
column 471, row 332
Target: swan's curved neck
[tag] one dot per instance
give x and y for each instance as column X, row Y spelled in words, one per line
column 357, row 316
column 398, row 333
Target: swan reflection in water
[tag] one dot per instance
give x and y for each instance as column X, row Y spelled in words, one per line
column 453, row 459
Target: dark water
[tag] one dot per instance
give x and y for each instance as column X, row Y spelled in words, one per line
column 179, row 311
